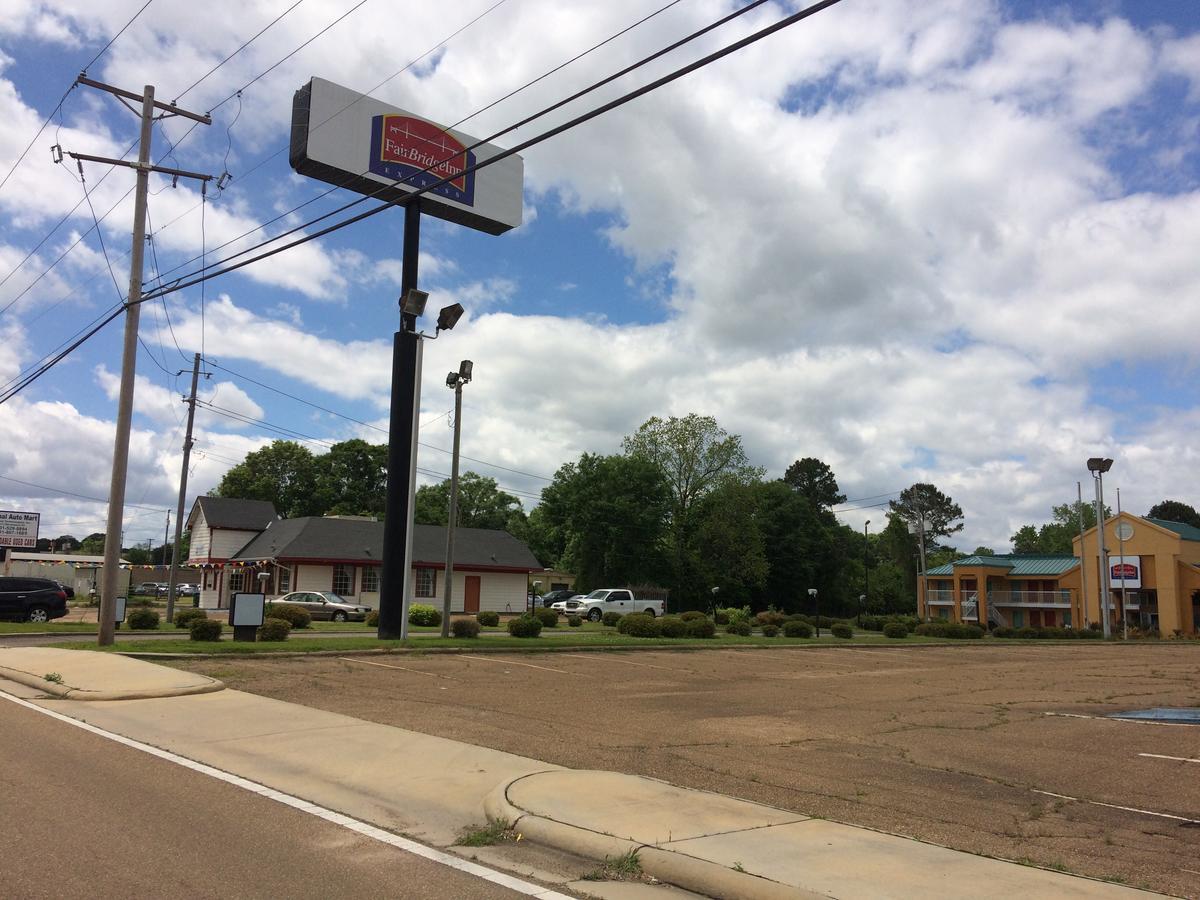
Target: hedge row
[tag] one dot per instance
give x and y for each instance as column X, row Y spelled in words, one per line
column 959, row 630
column 1049, row 633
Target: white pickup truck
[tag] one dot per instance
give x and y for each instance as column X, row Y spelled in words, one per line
column 602, row 600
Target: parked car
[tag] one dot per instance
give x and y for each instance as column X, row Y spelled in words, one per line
column 69, row 591
column 31, row 599
column 551, row 597
column 184, row 589
column 602, row 600
column 151, row 587
column 324, row 605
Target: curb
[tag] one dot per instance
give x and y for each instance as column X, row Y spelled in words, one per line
column 67, row 692
column 691, row 873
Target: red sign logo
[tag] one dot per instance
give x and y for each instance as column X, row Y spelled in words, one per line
column 420, row 154
column 1124, row 571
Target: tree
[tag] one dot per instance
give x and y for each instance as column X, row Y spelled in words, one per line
column 943, row 517
column 93, row 544
column 1055, row 537
column 352, row 478
column 728, row 551
column 481, row 504
column 283, row 473
column 801, row 549
column 983, row 551
column 611, row 514
column 66, row 543
column 815, row 480
column 1174, row 511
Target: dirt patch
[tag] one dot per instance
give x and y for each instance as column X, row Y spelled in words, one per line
column 963, row 746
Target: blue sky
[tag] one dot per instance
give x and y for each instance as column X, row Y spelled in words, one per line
column 949, row 241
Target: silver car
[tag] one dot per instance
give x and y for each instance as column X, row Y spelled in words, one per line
column 324, row 605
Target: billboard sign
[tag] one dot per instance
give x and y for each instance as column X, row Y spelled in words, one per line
column 1125, row 571
column 19, row 530
column 345, row 138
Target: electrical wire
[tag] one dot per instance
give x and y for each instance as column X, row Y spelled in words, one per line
column 46, row 487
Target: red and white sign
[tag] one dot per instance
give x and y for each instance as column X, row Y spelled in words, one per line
column 19, row 530
column 1125, row 571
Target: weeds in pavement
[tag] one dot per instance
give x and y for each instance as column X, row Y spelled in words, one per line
column 53, row 677
column 616, row 868
column 497, row 831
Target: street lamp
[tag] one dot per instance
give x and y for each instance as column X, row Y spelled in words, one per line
column 866, row 571
column 454, row 381
column 1098, row 465
column 812, row 592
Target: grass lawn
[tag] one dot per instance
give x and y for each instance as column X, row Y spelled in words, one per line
column 565, row 638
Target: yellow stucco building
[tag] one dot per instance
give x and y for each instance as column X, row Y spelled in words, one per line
column 1153, row 574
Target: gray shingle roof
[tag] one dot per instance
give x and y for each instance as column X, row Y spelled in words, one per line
column 230, row 512
column 356, row 540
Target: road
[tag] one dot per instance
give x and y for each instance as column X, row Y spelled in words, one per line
column 83, row 816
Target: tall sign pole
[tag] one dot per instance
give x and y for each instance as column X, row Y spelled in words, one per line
column 1102, row 555
column 1121, row 551
column 183, row 480
column 1082, row 555
column 452, row 514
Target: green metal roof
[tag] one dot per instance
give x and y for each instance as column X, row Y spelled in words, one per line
column 1185, row 531
column 1017, row 566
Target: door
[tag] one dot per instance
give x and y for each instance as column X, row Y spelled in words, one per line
column 471, row 594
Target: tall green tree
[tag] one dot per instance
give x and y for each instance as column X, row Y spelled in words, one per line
column 1175, row 511
column 352, row 478
column 1055, row 537
column 283, row 473
column 481, row 503
column 611, row 513
column 943, row 517
column 93, row 544
column 728, row 552
column 815, row 480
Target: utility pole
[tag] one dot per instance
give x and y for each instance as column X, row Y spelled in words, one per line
column 166, row 532
column 120, row 464
column 190, row 400
column 455, row 380
column 1121, row 551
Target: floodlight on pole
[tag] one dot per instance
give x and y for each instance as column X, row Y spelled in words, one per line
column 449, row 316
column 465, row 368
column 454, row 381
column 413, row 302
column 1098, row 465
column 812, row 592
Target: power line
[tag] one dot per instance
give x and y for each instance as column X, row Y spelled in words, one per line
column 46, row 487
column 113, row 39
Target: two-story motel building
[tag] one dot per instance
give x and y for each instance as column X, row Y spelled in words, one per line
column 1153, row 575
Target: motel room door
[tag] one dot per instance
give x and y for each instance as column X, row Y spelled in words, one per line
column 471, row 594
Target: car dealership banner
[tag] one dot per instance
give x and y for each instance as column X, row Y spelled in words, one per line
column 19, row 530
column 356, row 142
column 1125, row 571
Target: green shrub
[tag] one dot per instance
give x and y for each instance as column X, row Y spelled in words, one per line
column 525, row 626
column 548, row 617
column 464, row 628
column 574, row 621
column 296, row 616
column 721, row 616
column 205, row 630
column 1089, row 634
column 739, row 627
column 611, row 618
column 142, row 619
column 872, row 623
column 372, row 619
column 894, row 630
column 841, row 630
column 672, row 627
column 958, row 630
column 797, row 629
column 736, row 614
column 770, row 617
column 770, row 630
column 488, row 617
column 701, row 628
column 273, row 630
column 931, row 629
column 185, row 617
column 639, row 625
column 692, row 615
column 1004, row 632
column 1027, row 632
column 424, row 615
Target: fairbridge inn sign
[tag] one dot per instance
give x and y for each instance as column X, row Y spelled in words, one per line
column 345, row 138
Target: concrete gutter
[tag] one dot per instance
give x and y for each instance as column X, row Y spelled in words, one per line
column 72, row 675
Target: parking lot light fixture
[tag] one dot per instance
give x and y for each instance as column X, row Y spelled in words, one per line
column 449, row 317
column 812, row 592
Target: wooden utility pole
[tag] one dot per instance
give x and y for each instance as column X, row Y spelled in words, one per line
column 120, row 464
column 183, row 480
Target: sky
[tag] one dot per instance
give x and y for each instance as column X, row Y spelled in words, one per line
column 946, row 241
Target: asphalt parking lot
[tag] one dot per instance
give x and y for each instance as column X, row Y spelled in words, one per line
column 1002, row 750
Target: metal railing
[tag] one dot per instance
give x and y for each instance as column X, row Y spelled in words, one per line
column 939, row 596
column 1030, row 598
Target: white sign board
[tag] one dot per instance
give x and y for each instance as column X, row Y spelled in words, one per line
column 359, row 143
column 247, row 609
column 19, row 529
column 1125, row 571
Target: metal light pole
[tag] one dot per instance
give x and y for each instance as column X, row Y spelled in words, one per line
column 1098, row 466
column 1082, row 555
column 1121, row 551
column 866, row 570
column 812, row 592
column 454, row 380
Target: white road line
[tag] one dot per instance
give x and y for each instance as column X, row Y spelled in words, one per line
column 1133, row 809
column 510, row 662
column 1176, row 758
column 609, row 657
column 336, row 818
column 1113, row 719
column 367, row 662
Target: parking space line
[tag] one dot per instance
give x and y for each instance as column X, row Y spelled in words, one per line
column 628, row 662
column 1176, row 758
column 1062, row 715
column 511, row 662
column 1132, row 809
column 366, row 662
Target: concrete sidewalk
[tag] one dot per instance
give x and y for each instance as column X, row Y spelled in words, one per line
column 431, row 788
column 97, row 676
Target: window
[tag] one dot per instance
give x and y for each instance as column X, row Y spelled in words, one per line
column 370, row 579
column 426, row 582
column 284, row 576
column 236, row 579
column 343, row 580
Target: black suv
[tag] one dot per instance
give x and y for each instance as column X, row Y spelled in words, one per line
column 31, row 599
